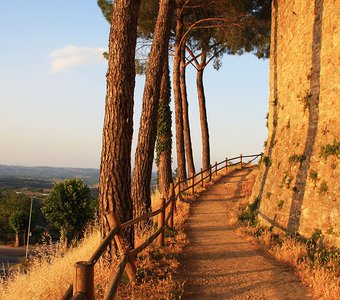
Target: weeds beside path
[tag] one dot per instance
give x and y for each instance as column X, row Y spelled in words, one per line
column 218, row 263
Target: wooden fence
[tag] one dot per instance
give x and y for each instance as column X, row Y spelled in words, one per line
column 83, row 285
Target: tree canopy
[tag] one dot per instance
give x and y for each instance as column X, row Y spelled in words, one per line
column 69, row 207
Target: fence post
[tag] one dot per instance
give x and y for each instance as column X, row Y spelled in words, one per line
column 202, row 176
column 226, row 163
column 161, row 221
column 83, row 285
column 193, row 185
column 210, row 173
column 215, row 168
column 172, row 204
column 113, row 221
column 241, row 161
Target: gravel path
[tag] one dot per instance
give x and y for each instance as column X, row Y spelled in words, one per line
column 219, row 264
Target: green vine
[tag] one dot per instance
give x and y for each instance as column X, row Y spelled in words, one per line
column 164, row 133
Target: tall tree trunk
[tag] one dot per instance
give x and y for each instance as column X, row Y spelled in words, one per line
column 186, row 127
column 17, row 240
column 203, row 113
column 141, row 180
column 115, row 170
column 164, row 141
column 181, row 171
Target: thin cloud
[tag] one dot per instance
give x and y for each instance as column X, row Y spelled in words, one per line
column 70, row 56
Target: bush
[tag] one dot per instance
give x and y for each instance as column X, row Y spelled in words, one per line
column 323, row 187
column 318, row 254
column 330, row 149
column 267, row 162
column 297, row 158
column 306, row 100
column 249, row 213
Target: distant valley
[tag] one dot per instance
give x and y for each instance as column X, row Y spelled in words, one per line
column 34, row 178
column 43, row 177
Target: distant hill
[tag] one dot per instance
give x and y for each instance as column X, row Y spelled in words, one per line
column 44, row 177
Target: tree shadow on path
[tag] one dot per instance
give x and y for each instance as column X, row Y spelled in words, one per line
column 219, row 264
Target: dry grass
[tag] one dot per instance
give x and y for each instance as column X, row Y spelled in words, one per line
column 50, row 272
column 322, row 280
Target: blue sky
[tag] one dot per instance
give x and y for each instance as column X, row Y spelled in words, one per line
column 52, row 89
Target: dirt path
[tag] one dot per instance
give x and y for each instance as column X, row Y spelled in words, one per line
column 218, row 263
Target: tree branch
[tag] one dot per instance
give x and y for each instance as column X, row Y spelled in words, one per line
column 223, row 20
column 193, row 57
column 212, row 57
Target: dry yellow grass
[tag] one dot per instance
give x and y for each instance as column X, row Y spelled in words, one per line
column 51, row 271
column 323, row 281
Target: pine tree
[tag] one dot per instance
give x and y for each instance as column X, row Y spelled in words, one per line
column 141, row 181
column 115, row 170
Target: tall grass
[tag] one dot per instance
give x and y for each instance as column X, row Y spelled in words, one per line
column 50, row 271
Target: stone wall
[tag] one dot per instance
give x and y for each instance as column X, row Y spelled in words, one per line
column 299, row 183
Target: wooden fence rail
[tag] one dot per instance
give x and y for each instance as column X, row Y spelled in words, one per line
column 83, row 285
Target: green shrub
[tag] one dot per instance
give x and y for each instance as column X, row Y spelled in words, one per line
column 313, row 175
column 248, row 213
column 297, row 158
column 323, row 187
column 267, row 161
column 306, row 100
column 330, row 149
column 318, row 254
column 259, row 230
column 279, row 204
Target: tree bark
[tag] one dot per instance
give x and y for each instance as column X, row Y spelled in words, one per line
column 115, row 170
column 203, row 114
column 186, row 126
column 17, row 240
column 181, row 170
column 141, row 180
column 164, row 135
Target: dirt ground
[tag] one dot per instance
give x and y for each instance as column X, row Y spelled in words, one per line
column 217, row 263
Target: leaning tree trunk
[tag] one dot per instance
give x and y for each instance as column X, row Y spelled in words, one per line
column 181, row 171
column 115, row 169
column 203, row 114
column 186, row 127
column 164, row 141
column 148, row 123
